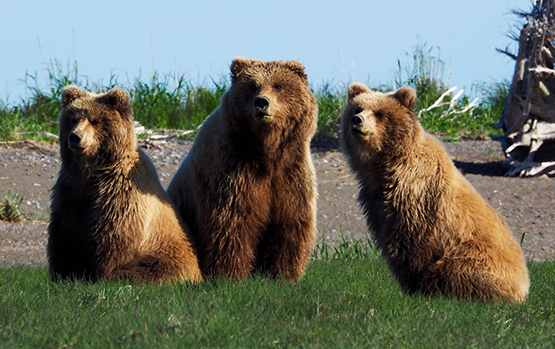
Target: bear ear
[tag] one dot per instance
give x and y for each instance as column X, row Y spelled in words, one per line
column 71, row 93
column 238, row 65
column 297, row 68
column 406, row 96
column 357, row 88
column 116, row 98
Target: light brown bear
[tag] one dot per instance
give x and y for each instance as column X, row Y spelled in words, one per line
column 247, row 188
column 110, row 216
column 436, row 232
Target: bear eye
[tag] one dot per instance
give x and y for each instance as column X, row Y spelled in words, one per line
column 277, row 87
column 94, row 122
column 378, row 114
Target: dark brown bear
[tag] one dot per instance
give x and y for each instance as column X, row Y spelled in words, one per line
column 247, row 188
column 110, row 217
column 436, row 232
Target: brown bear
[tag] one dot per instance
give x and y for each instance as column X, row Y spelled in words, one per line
column 436, row 232
column 247, row 188
column 110, row 216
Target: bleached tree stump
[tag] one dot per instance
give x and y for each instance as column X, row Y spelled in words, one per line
column 528, row 118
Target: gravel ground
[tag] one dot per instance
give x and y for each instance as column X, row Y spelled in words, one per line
column 30, row 168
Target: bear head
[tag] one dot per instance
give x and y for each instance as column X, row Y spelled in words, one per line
column 373, row 122
column 272, row 95
column 95, row 126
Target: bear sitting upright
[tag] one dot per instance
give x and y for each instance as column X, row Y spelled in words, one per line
column 436, row 232
column 247, row 188
column 110, row 216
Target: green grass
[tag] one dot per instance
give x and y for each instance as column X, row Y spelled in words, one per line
column 338, row 304
column 345, row 248
column 331, row 101
column 173, row 102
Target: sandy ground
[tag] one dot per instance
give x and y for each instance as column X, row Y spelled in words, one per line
column 528, row 205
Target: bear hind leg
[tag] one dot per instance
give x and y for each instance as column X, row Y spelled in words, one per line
column 467, row 273
column 157, row 269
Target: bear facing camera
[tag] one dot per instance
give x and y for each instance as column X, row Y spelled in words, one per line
column 110, row 217
column 436, row 232
column 247, row 188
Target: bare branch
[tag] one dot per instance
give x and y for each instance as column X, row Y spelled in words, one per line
column 505, row 51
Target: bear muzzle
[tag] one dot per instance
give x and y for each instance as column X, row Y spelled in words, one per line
column 261, row 106
column 79, row 142
column 357, row 123
column 74, row 142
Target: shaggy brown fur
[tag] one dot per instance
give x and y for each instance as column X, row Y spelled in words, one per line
column 435, row 230
column 110, row 216
column 247, row 188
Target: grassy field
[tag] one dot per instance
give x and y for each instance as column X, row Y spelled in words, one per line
column 173, row 102
column 340, row 303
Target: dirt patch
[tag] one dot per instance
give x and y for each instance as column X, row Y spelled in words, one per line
column 528, row 205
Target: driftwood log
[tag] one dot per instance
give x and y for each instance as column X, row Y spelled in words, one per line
column 528, row 118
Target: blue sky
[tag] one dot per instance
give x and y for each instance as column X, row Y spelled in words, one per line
column 337, row 41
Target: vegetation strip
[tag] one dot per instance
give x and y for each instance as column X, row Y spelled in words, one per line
column 339, row 303
column 173, row 102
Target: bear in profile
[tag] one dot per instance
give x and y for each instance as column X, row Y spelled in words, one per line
column 436, row 232
column 110, row 216
column 247, row 188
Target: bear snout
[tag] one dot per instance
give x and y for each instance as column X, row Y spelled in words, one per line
column 74, row 141
column 261, row 103
column 80, row 141
column 357, row 125
column 261, row 107
column 74, row 138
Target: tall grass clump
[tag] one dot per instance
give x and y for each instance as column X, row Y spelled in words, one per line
column 10, row 208
column 346, row 248
column 168, row 102
column 454, row 115
column 158, row 105
column 331, row 101
column 37, row 116
column 424, row 71
column 493, row 99
column 10, row 119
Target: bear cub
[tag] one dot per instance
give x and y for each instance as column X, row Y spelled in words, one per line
column 247, row 188
column 110, row 216
column 436, row 232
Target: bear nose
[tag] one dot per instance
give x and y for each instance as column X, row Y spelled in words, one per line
column 356, row 120
column 74, row 138
column 261, row 103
